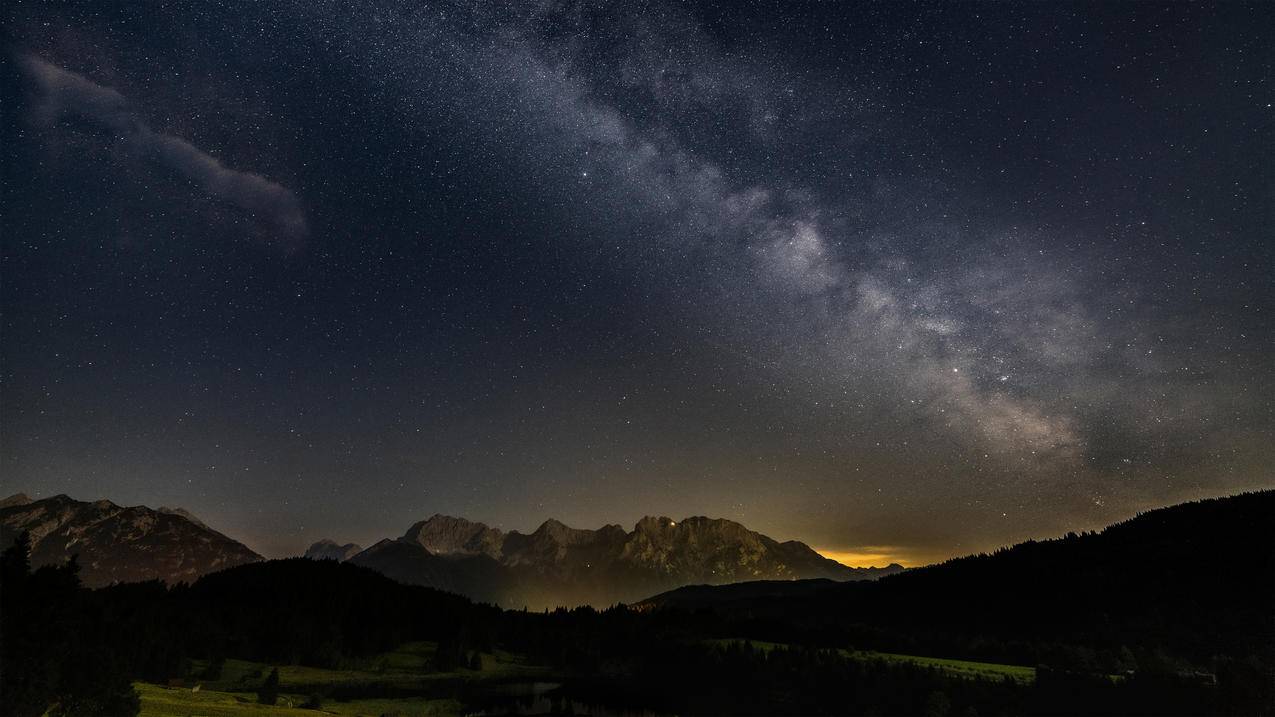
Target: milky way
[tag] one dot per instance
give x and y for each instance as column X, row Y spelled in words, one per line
column 894, row 279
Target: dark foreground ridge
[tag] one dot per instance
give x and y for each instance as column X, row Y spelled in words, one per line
column 1197, row 578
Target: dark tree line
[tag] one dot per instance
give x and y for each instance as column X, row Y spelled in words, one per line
column 664, row 659
column 53, row 654
column 77, row 650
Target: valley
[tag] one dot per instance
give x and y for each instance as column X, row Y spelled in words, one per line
column 1125, row 634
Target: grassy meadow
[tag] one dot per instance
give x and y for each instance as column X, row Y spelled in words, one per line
column 159, row 701
column 407, row 669
column 955, row 668
column 414, row 688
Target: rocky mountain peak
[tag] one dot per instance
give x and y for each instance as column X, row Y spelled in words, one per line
column 14, row 500
column 652, row 525
column 561, row 533
column 613, row 531
column 447, row 535
column 326, row 549
column 696, row 527
column 120, row 544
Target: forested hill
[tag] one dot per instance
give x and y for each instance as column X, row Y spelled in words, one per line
column 1196, row 579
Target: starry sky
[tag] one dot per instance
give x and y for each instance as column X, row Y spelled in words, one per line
column 901, row 280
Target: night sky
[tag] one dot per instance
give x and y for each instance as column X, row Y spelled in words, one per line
column 899, row 280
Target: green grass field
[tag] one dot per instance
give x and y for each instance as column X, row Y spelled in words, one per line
column 233, row 694
column 407, row 666
column 961, row 668
column 958, row 668
column 160, row 701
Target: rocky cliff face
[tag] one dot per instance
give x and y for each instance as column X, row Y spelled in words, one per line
column 560, row 565
column 722, row 551
column 445, row 535
column 119, row 544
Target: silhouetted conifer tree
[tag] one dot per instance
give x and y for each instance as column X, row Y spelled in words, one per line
column 268, row 694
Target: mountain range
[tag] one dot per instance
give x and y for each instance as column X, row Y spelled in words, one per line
column 119, row 544
column 560, row 565
column 551, row 566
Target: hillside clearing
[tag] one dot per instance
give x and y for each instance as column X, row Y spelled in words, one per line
column 957, row 668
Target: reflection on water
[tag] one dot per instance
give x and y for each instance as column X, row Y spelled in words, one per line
column 545, row 698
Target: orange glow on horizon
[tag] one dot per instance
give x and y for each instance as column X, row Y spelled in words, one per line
column 868, row 556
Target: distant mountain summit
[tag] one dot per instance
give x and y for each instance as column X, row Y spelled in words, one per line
column 119, row 544
column 560, row 565
column 329, row 550
column 445, row 535
column 14, row 500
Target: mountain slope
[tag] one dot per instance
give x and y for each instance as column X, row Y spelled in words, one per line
column 120, row 544
column 560, row 565
column 475, row 576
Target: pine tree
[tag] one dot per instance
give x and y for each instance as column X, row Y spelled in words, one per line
column 15, row 562
column 269, row 692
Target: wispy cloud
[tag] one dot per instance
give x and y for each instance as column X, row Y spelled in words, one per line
column 60, row 95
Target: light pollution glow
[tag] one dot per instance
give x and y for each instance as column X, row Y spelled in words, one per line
column 872, row 556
